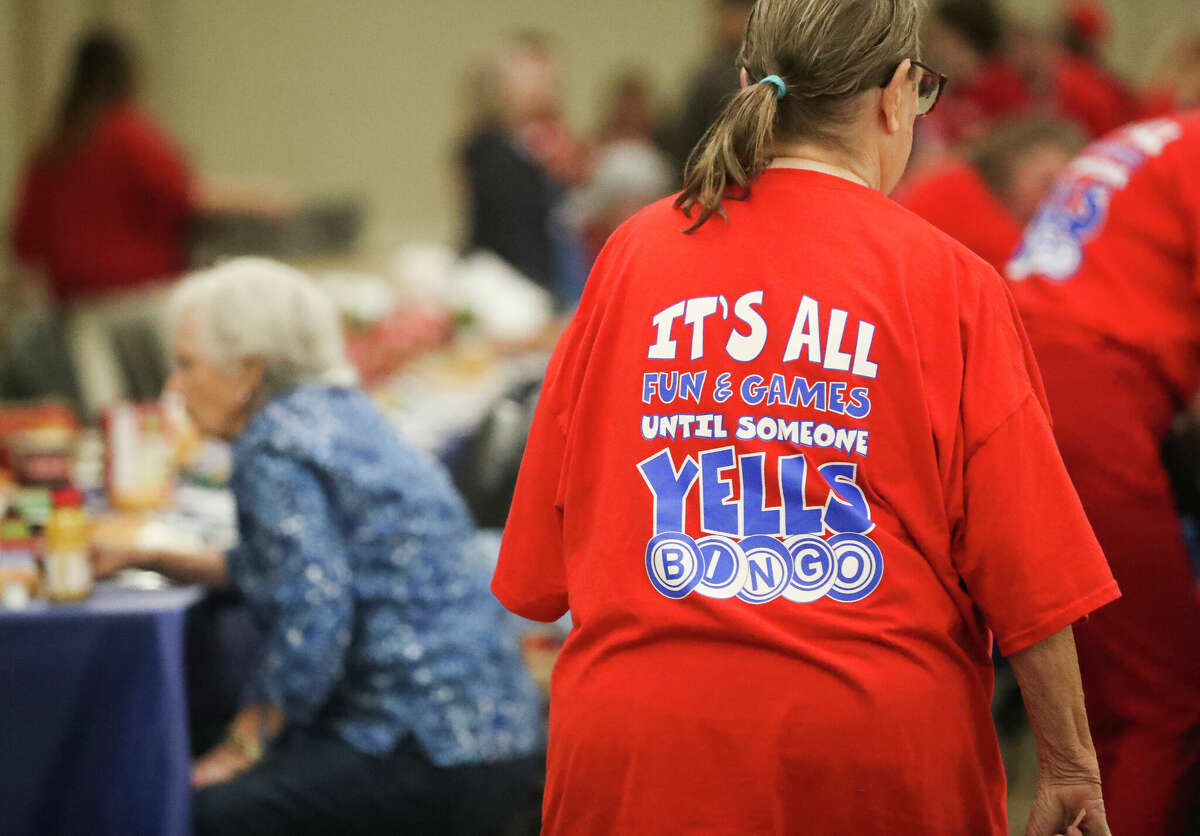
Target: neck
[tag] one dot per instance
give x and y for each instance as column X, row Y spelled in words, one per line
column 816, row 158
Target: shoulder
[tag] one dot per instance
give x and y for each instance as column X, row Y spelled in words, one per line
column 131, row 125
column 307, row 423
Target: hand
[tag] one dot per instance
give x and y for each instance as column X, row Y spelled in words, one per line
column 108, row 560
column 219, row 765
column 1068, row 807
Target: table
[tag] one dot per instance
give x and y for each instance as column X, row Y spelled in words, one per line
column 93, row 715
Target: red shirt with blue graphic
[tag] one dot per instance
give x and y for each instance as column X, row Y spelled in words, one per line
column 1137, row 285
column 790, row 474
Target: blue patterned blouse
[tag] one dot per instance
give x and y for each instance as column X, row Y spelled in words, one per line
column 359, row 561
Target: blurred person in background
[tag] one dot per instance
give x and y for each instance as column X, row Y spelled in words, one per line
column 1106, row 279
column 715, row 81
column 628, row 112
column 388, row 697
column 519, row 162
column 966, row 39
column 1175, row 77
column 770, row 635
column 985, row 198
column 629, row 175
column 1085, row 90
column 102, row 213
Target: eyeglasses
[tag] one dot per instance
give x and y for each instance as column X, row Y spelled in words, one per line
column 930, row 86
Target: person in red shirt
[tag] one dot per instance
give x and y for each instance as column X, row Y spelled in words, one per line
column 966, row 37
column 1106, row 279
column 985, row 198
column 791, row 471
column 101, row 216
column 1085, row 91
column 104, row 202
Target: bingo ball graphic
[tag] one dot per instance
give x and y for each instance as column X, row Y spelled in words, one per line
column 859, row 568
column 725, row 567
column 674, row 564
column 769, row 569
column 814, row 569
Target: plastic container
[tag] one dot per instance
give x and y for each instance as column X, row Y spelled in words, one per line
column 68, row 567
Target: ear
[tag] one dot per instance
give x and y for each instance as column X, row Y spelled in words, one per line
column 252, row 373
column 744, row 78
column 893, row 103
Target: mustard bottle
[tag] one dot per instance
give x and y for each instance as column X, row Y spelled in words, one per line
column 68, row 569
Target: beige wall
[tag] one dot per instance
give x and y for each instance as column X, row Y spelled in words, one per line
column 1140, row 27
column 363, row 97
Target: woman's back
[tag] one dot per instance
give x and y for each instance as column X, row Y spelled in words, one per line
column 336, row 510
column 769, row 433
column 108, row 214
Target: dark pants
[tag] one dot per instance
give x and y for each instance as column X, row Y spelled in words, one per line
column 315, row 784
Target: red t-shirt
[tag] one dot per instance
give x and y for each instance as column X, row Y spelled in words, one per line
column 109, row 216
column 955, row 199
column 1112, row 252
column 789, row 473
column 1093, row 97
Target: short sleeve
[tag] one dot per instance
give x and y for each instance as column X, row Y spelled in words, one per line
column 530, row 578
column 1025, row 550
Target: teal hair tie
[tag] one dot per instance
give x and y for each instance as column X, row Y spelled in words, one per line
column 780, row 87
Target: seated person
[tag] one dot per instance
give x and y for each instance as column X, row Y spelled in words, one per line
column 387, row 698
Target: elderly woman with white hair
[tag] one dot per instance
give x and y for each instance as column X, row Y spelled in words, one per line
column 386, row 696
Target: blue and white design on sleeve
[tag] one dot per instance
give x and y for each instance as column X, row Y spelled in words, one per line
column 1076, row 209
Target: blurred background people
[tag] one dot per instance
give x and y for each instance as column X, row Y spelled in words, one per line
column 102, row 218
column 1085, row 90
column 1106, row 281
column 984, row 198
column 715, row 81
column 517, row 165
column 965, row 39
column 388, row 695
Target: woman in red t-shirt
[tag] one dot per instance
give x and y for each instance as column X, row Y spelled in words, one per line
column 791, row 472
column 105, row 200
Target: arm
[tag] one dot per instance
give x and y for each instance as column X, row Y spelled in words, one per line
column 1069, row 779
column 208, row 566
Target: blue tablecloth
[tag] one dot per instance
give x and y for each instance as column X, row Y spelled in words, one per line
column 93, row 716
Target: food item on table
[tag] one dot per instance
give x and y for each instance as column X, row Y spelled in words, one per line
column 18, row 563
column 68, row 567
column 42, row 456
column 141, row 457
column 87, row 470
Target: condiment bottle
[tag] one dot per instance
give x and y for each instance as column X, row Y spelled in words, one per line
column 68, row 568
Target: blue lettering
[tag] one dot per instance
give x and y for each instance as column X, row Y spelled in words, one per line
column 668, row 384
column 752, row 390
column 859, row 405
column 761, row 568
column 778, row 392
column 798, row 518
column 837, row 398
column 672, row 563
column 723, row 391
column 691, row 385
column 846, row 510
column 807, row 395
column 717, row 514
column 756, row 518
column 669, row 488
